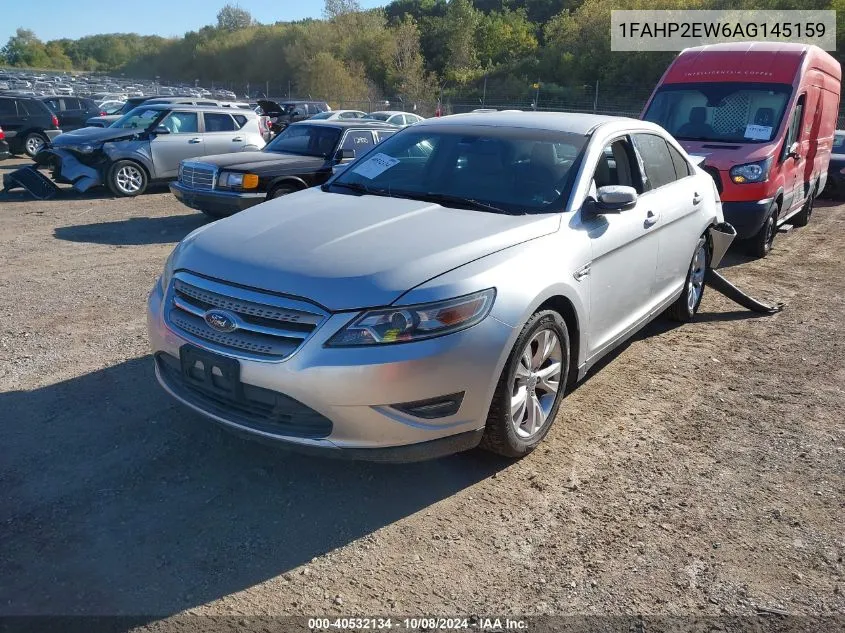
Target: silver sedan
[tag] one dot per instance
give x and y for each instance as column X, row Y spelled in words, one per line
column 443, row 291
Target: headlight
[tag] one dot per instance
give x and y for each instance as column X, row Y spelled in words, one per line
column 167, row 273
column 403, row 324
column 234, row 180
column 751, row 172
column 85, row 148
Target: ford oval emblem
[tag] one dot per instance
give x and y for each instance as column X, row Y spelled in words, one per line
column 221, row 321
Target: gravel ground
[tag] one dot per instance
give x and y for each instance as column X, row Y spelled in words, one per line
column 700, row 471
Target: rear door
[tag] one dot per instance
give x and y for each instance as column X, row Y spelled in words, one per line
column 183, row 141
column 222, row 134
column 675, row 194
column 73, row 114
column 11, row 121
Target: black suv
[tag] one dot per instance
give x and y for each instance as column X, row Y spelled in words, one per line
column 72, row 112
column 283, row 113
column 28, row 123
column 303, row 155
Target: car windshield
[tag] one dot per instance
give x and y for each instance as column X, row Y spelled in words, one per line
column 721, row 112
column 502, row 170
column 306, row 140
column 379, row 116
column 141, row 118
column 322, row 115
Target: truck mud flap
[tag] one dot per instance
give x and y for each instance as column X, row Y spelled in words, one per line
column 723, row 286
column 29, row 178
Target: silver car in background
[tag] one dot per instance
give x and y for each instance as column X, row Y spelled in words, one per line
column 147, row 145
column 441, row 292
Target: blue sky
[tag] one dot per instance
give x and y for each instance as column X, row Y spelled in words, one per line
column 54, row 19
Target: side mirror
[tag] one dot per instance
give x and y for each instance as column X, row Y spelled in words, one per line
column 344, row 154
column 793, row 150
column 613, row 199
column 297, row 113
column 160, row 129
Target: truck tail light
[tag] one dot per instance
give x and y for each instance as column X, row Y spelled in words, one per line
column 2, row 134
column 54, row 120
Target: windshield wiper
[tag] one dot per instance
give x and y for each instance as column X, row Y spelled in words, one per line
column 356, row 186
column 447, row 200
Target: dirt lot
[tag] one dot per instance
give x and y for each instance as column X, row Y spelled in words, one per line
column 700, row 471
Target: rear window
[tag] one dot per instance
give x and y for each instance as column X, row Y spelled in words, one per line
column 240, row 120
column 215, row 122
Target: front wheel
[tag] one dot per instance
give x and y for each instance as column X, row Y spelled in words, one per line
column 686, row 305
column 127, row 178
column 761, row 244
column 531, row 387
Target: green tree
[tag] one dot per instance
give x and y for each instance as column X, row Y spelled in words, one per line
column 505, row 37
column 335, row 8
column 460, row 24
column 232, row 18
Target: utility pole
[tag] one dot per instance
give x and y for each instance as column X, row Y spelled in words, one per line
column 288, row 88
column 537, row 95
column 484, row 94
column 596, row 98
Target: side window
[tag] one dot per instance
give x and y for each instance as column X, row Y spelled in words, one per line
column 71, row 103
column 7, row 107
column 27, row 109
column 397, row 119
column 383, row 134
column 181, row 122
column 216, row 122
column 617, row 167
column 240, row 120
column 55, row 104
column 794, row 132
column 657, row 162
column 359, row 140
column 682, row 168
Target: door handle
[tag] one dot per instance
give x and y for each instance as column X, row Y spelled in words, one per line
column 194, row 141
column 237, row 139
column 650, row 219
column 696, row 198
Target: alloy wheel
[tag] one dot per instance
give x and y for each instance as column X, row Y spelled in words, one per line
column 34, row 144
column 695, row 284
column 536, row 383
column 129, row 179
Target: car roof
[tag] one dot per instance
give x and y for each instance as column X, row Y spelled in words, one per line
column 359, row 123
column 193, row 108
column 390, row 112
column 572, row 122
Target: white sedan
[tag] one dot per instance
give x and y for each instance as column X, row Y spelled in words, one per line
column 344, row 115
column 394, row 117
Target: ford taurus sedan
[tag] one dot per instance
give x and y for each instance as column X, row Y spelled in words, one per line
column 443, row 291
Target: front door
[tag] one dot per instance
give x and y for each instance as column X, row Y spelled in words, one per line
column 624, row 252
column 793, row 164
column 183, row 141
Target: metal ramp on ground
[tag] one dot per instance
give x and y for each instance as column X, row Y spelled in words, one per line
column 29, row 178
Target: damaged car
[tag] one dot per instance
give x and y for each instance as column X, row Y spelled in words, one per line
column 147, row 145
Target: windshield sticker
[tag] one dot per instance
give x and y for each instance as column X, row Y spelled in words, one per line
column 375, row 166
column 758, row 132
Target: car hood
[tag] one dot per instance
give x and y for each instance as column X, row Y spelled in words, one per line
column 261, row 162
column 345, row 251
column 94, row 135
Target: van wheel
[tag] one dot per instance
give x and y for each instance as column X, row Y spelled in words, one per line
column 34, row 143
column 802, row 218
column 127, row 178
column 761, row 244
column 686, row 305
column 530, row 388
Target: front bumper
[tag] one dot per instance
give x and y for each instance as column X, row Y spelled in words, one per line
column 68, row 169
column 354, row 387
column 216, row 202
column 747, row 217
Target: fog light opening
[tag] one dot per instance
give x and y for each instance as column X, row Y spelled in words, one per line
column 432, row 408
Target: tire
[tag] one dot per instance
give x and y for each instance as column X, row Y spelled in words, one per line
column 127, row 179
column 519, row 376
column 685, row 307
column 33, row 142
column 761, row 244
column 802, row 218
column 281, row 190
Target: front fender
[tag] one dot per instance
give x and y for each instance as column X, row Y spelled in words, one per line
column 129, row 150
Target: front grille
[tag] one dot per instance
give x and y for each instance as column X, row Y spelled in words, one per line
column 714, row 174
column 255, row 407
column 268, row 327
column 197, row 176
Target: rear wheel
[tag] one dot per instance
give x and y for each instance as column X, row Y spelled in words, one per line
column 761, row 244
column 127, row 178
column 34, row 143
column 686, row 305
column 530, row 388
column 802, row 218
